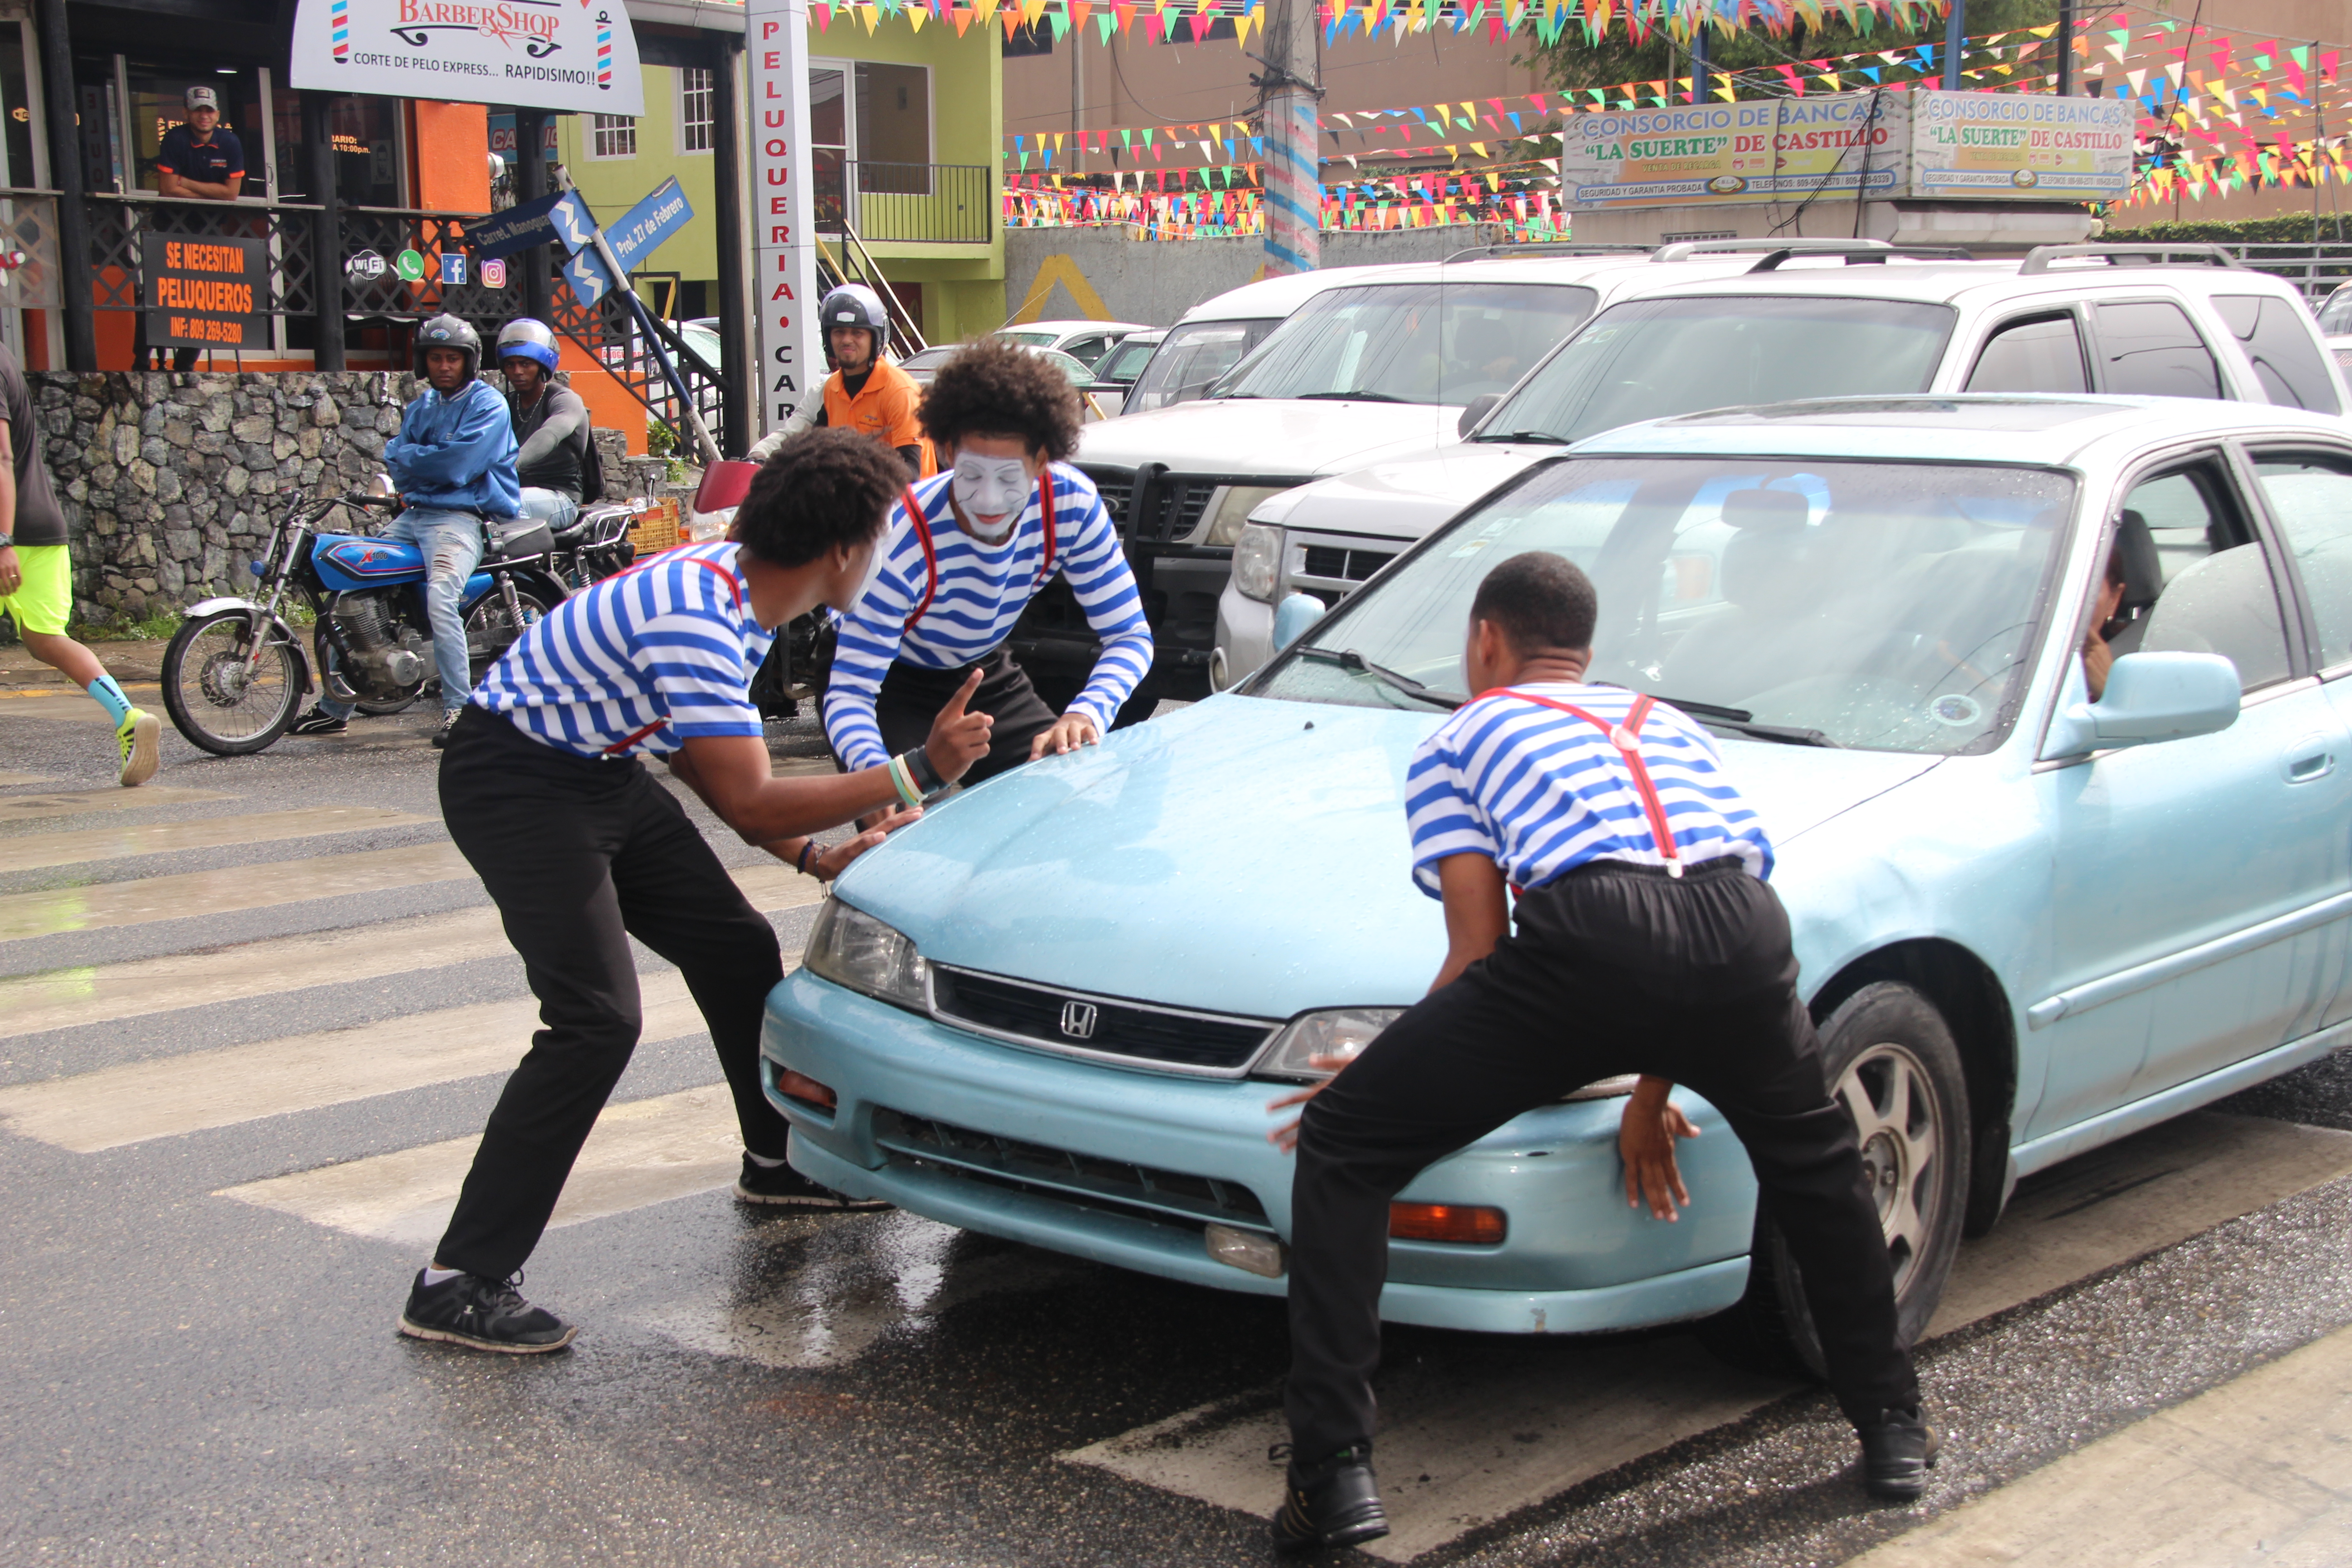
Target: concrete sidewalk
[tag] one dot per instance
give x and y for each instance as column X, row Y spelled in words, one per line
column 2258, row 1470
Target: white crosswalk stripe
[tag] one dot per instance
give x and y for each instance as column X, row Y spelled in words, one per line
column 81, row 802
column 25, row 854
column 151, row 899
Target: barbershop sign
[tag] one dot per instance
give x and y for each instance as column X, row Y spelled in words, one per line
column 575, row 55
column 207, row 293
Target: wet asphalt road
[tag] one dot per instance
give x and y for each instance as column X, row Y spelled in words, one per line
column 185, row 1378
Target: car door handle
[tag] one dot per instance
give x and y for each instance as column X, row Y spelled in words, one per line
column 2310, row 765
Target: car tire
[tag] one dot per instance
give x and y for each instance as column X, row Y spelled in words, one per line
column 1892, row 1060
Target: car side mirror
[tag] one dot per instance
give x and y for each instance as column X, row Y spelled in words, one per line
column 1293, row 617
column 2150, row 696
column 1477, row 409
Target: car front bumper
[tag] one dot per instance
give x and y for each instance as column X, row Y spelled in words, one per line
column 1245, row 633
column 1127, row 1167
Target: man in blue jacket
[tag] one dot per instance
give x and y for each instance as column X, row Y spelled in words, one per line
column 454, row 462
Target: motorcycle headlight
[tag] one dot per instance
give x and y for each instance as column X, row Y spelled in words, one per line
column 1257, row 561
column 1231, row 509
column 1341, row 1032
column 851, row 948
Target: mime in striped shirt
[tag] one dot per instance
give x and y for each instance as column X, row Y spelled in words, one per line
column 966, row 553
column 1648, row 942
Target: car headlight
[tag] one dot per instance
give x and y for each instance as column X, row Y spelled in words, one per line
column 1333, row 1032
column 851, row 948
column 1231, row 512
column 1257, row 561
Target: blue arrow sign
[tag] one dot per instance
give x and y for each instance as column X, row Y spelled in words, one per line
column 516, row 229
column 573, row 220
column 585, row 272
column 643, row 229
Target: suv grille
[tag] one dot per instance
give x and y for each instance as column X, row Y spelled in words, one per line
column 1344, row 565
column 1188, row 1041
column 1082, row 1179
column 1116, row 485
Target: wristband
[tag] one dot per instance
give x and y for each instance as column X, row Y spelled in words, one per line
column 802, row 865
column 919, row 767
column 903, row 782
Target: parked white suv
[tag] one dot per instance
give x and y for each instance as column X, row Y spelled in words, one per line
column 2166, row 320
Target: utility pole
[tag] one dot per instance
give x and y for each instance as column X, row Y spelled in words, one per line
column 1077, row 92
column 1289, row 98
column 2065, row 49
column 1956, row 26
column 1699, row 63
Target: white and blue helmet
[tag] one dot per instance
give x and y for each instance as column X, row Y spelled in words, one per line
column 525, row 338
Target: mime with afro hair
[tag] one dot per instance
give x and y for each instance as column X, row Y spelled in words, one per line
column 965, row 553
column 1648, row 942
column 547, row 796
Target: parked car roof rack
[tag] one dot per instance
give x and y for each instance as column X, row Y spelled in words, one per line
column 1552, row 247
column 1683, row 250
column 1870, row 257
column 2039, row 258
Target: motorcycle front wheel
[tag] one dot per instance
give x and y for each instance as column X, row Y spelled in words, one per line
column 220, row 695
column 490, row 629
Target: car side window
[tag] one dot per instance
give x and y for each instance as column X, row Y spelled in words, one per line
column 2310, row 497
column 2276, row 335
column 2148, row 348
column 2193, row 577
column 1085, row 351
column 2041, row 353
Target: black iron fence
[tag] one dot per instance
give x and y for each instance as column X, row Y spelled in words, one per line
column 931, row 204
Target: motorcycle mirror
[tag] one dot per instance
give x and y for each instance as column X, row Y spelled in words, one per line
column 380, row 485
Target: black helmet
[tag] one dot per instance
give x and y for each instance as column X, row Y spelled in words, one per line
column 447, row 331
column 855, row 305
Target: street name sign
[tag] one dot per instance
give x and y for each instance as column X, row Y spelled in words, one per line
column 642, row 229
column 518, row 228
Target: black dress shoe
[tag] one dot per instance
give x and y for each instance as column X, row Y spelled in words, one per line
column 1333, row 1503
column 1897, row 1451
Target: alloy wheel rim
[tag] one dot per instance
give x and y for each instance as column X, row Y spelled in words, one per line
column 1898, row 1120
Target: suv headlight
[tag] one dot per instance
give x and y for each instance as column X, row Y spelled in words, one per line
column 1234, row 505
column 851, row 948
column 1257, row 561
column 1333, row 1032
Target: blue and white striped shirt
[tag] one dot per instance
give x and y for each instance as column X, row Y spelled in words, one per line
column 981, row 591
column 652, row 655
column 1540, row 792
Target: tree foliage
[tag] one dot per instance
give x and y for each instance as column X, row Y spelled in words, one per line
column 1573, row 63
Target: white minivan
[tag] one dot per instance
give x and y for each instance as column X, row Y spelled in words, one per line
column 2176, row 320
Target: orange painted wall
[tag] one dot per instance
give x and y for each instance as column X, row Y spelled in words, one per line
column 451, row 156
column 610, row 407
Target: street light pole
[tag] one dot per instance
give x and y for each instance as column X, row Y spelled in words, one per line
column 1956, row 24
column 1289, row 99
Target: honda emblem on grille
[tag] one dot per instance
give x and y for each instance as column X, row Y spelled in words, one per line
column 1078, row 1020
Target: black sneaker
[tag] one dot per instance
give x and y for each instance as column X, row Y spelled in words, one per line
column 1898, row 1452
column 487, row 1314
column 1334, row 1503
column 781, row 1185
column 449, row 722
column 317, row 721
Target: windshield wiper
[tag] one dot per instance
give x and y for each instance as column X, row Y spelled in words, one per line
column 1744, row 721
column 1356, row 663
column 1347, row 398
column 1532, row 437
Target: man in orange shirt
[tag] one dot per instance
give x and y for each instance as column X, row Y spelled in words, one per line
column 866, row 393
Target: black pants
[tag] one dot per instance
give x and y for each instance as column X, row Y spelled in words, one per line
column 911, row 698
column 1613, row 969
column 580, row 855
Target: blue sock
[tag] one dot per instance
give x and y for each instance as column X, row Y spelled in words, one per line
column 109, row 696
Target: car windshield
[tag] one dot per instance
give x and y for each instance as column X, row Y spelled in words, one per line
column 1192, row 358
column 1882, row 604
column 1030, row 340
column 1125, row 363
column 1410, row 343
column 1651, row 359
column 2336, row 316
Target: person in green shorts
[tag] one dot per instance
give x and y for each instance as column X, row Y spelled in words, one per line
column 37, row 577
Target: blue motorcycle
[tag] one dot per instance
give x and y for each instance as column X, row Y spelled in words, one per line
column 236, row 673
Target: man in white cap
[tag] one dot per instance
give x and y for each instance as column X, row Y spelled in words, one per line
column 200, row 160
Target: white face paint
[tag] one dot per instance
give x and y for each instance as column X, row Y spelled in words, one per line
column 991, row 492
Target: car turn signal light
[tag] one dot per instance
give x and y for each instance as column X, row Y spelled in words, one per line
column 1463, row 1224
column 805, row 1089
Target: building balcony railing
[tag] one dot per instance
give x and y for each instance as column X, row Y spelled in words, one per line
column 919, row 204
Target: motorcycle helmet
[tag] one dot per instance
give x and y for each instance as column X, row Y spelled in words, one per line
column 447, row 331
column 524, row 338
column 855, row 305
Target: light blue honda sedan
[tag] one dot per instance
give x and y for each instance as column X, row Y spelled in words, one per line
column 2040, row 699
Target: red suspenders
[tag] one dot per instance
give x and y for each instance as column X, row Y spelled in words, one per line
column 617, row 747
column 1626, row 739
column 914, row 505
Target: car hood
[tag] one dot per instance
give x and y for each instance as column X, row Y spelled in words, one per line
column 1241, row 856
column 1405, row 495
column 1273, row 435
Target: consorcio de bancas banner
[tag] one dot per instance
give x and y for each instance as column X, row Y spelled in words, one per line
column 571, row 55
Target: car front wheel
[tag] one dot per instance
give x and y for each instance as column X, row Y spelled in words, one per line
column 1893, row 1064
